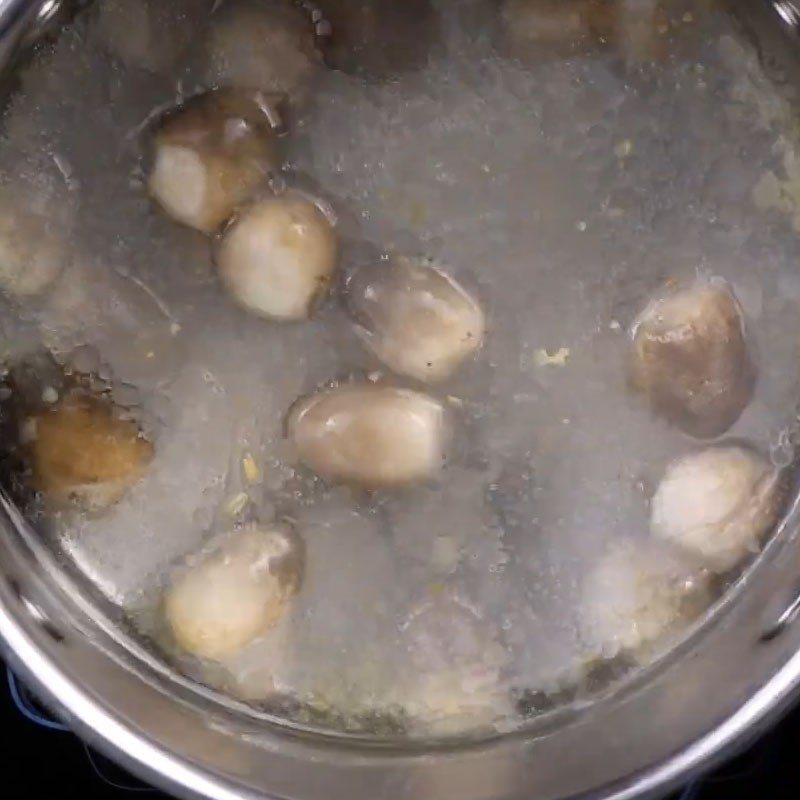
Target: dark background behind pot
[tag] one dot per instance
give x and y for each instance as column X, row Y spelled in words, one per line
column 49, row 763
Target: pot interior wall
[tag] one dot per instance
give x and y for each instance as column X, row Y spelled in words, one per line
column 723, row 682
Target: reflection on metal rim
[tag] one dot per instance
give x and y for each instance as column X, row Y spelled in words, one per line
column 137, row 718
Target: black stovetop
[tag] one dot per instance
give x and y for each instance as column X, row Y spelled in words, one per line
column 47, row 762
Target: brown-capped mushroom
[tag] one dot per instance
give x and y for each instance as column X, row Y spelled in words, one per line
column 84, row 452
column 691, row 360
column 210, row 155
column 415, row 317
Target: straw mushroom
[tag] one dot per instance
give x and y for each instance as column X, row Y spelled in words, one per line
column 144, row 34
column 31, row 258
column 35, row 222
column 369, row 436
column 210, row 155
column 636, row 595
column 235, row 592
column 455, row 662
column 717, row 504
column 277, row 257
column 690, row 358
column 268, row 45
column 416, row 318
column 84, row 453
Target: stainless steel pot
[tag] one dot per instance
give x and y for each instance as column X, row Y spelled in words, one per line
column 731, row 679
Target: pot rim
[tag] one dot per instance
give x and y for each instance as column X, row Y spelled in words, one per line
column 26, row 640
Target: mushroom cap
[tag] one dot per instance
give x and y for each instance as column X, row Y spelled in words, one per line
column 234, row 593
column 370, row 436
column 84, row 452
column 269, row 46
column 691, row 360
column 211, row 155
column 717, row 504
column 637, row 594
column 277, row 257
column 416, row 318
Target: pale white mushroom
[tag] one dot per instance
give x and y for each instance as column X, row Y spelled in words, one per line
column 84, row 452
column 30, row 257
column 453, row 676
column 35, row 222
column 277, row 257
column 234, row 592
column 717, row 505
column 210, row 155
column 370, row 436
column 145, row 34
column 268, row 45
column 638, row 594
column 690, row 358
column 416, row 318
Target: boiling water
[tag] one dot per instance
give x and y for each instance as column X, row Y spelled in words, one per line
column 564, row 190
